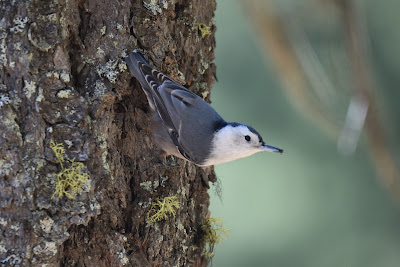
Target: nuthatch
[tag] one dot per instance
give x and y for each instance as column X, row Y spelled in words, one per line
column 186, row 126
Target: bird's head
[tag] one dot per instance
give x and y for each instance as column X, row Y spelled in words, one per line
column 236, row 141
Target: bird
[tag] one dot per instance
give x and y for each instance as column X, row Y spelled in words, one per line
column 186, row 126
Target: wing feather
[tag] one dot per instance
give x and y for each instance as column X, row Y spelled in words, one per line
column 188, row 119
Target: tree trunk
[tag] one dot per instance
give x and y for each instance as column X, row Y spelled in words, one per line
column 63, row 81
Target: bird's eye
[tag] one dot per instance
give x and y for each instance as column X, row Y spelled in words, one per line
column 247, row 138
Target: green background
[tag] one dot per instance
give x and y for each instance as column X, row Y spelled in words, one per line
column 310, row 206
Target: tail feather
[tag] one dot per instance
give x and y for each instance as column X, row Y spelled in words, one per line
column 132, row 60
column 149, row 78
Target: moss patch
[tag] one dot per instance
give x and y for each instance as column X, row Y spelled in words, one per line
column 162, row 208
column 214, row 232
column 71, row 177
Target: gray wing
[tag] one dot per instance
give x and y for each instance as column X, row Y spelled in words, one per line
column 194, row 120
column 188, row 119
column 163, row 98
column 155, row 82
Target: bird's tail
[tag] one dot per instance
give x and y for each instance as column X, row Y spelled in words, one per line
column 132, row 60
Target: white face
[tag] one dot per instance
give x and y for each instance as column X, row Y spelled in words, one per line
column 232, row 143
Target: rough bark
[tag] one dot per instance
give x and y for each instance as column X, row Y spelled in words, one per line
column 63, row 79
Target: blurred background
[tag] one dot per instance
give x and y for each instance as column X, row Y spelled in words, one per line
column 318, row 78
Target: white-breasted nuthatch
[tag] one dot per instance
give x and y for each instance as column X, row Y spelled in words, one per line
column 186, row 126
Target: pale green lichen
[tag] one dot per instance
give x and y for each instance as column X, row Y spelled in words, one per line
column 10, row 121
column 3, row 248
column 67, row 93
column 204, row 94
column 4, row 100
column 160, row 239
column 15, row 227
column 164, row 4
column 123, row 259
column 39, row 98
column 145, row 204
column 29, row 88
column 162, row 208
column 109, row 70
column 184, row 248
column 48, row 18
column 100, row 52
column 181, row 228
column 53, row 74
column 153, row 7
column 164, row 180
column 68, row 142
column 46, row 248
column 214, row 232
column 71, row 178
column 3, row 222
column 94, row 205
column 152, row 186
column 64, row 76
column 181, row 77
column 3, row 46
column 203, row 63
column 103, row 30
column 102, row 143
column 19, row 24
column 182, row 191
column 147, row 185
column 122, row 67
column 205, row 66
column 99, row 89
column 12, row 260
column 105, row 163
column 46, row 224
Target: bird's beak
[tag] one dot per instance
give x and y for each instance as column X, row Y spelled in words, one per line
column 268, row 148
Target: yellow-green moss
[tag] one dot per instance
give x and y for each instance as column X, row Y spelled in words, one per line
column 162, row 208
column 214, row 232
column 71, row 177
column 204, row 29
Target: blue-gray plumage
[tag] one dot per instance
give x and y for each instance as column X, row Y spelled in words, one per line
column 186, row 126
